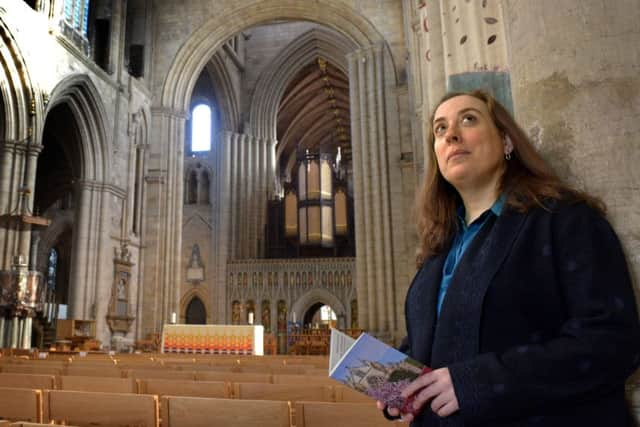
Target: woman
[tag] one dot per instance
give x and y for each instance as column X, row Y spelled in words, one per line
column 523, row 304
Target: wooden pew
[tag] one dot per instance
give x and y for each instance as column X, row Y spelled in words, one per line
column 160, row 373
column 317, row 371
column 95, row 371
column 218, row 389
column 43, row 382
column 277, row 369
column 94, row 409
column 31, row 369
column 240, row 377
column 101, row 384
column 290, row 392
column 347, row 395
column 20, row 404
column 24, row 424
column 322, row 414
column 202, row 412
column 303, row 379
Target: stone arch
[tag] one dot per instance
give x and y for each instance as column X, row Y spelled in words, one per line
column 17, row 93
column 375, row 140
column 87, row 293
column 84, row 100
column 314, row 296
column 186, row 299
column 284, row 67
column 228, row 105
column 205, row 41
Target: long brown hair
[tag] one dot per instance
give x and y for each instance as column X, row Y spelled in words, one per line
column 527, row 182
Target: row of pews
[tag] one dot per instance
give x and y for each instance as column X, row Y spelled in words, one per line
column 175, row 391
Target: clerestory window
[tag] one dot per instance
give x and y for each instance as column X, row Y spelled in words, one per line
column 76, row 14
column 201, row 131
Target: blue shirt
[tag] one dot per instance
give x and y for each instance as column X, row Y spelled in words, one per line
column 461, row 242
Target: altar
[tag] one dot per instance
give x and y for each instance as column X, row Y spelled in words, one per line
column 213, row 339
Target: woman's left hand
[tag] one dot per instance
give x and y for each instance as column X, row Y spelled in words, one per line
column 435, row 386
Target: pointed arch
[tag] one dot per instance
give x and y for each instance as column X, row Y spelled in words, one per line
column 18, row 94
column 315, row 43
column 195, row 313
column 228, row 104
column 84, row 100
column 205, row 41
column 188, row 296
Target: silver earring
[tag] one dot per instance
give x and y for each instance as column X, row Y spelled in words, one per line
column 507, row 156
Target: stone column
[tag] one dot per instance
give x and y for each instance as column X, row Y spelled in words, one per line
column 234, row 196
column 249, row 197
column 240, row 201
column 164, row 215
column 32, row 153
column 25, row 341
column 223, row 218
column 78, row 277
column 7, row 151
column 15, row 331
column 2, row 333
column 101, row 272
column 374, row 259
column 33, row 251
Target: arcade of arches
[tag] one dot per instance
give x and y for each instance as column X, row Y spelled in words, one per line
column 130, row 207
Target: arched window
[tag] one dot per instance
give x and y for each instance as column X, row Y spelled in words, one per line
column 201, row 128
column 76, row 14
column 52, row 268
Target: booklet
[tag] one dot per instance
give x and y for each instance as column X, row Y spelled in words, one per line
column 374, row 368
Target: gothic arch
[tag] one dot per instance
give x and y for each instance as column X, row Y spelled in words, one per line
column 140, row 126
column 375, row 139
column 19, row 96
column 205, row 41
column 188, row 296
column 314, row 296
column 274, row 80
column 228, row 104
column 82, row 97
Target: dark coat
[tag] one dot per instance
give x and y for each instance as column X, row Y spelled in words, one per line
column 539, row 325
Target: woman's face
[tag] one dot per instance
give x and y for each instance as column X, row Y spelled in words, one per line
column 468, row 146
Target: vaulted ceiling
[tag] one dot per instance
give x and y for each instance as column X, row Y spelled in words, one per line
column 314, row 112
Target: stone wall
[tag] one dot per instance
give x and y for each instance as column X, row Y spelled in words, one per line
column 576, row 91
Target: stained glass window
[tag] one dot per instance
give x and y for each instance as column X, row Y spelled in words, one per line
column 52, row 268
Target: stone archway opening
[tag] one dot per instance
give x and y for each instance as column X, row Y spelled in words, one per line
column 370, row 68
column 58, row 169
column 196, row 313
column 320, row 316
